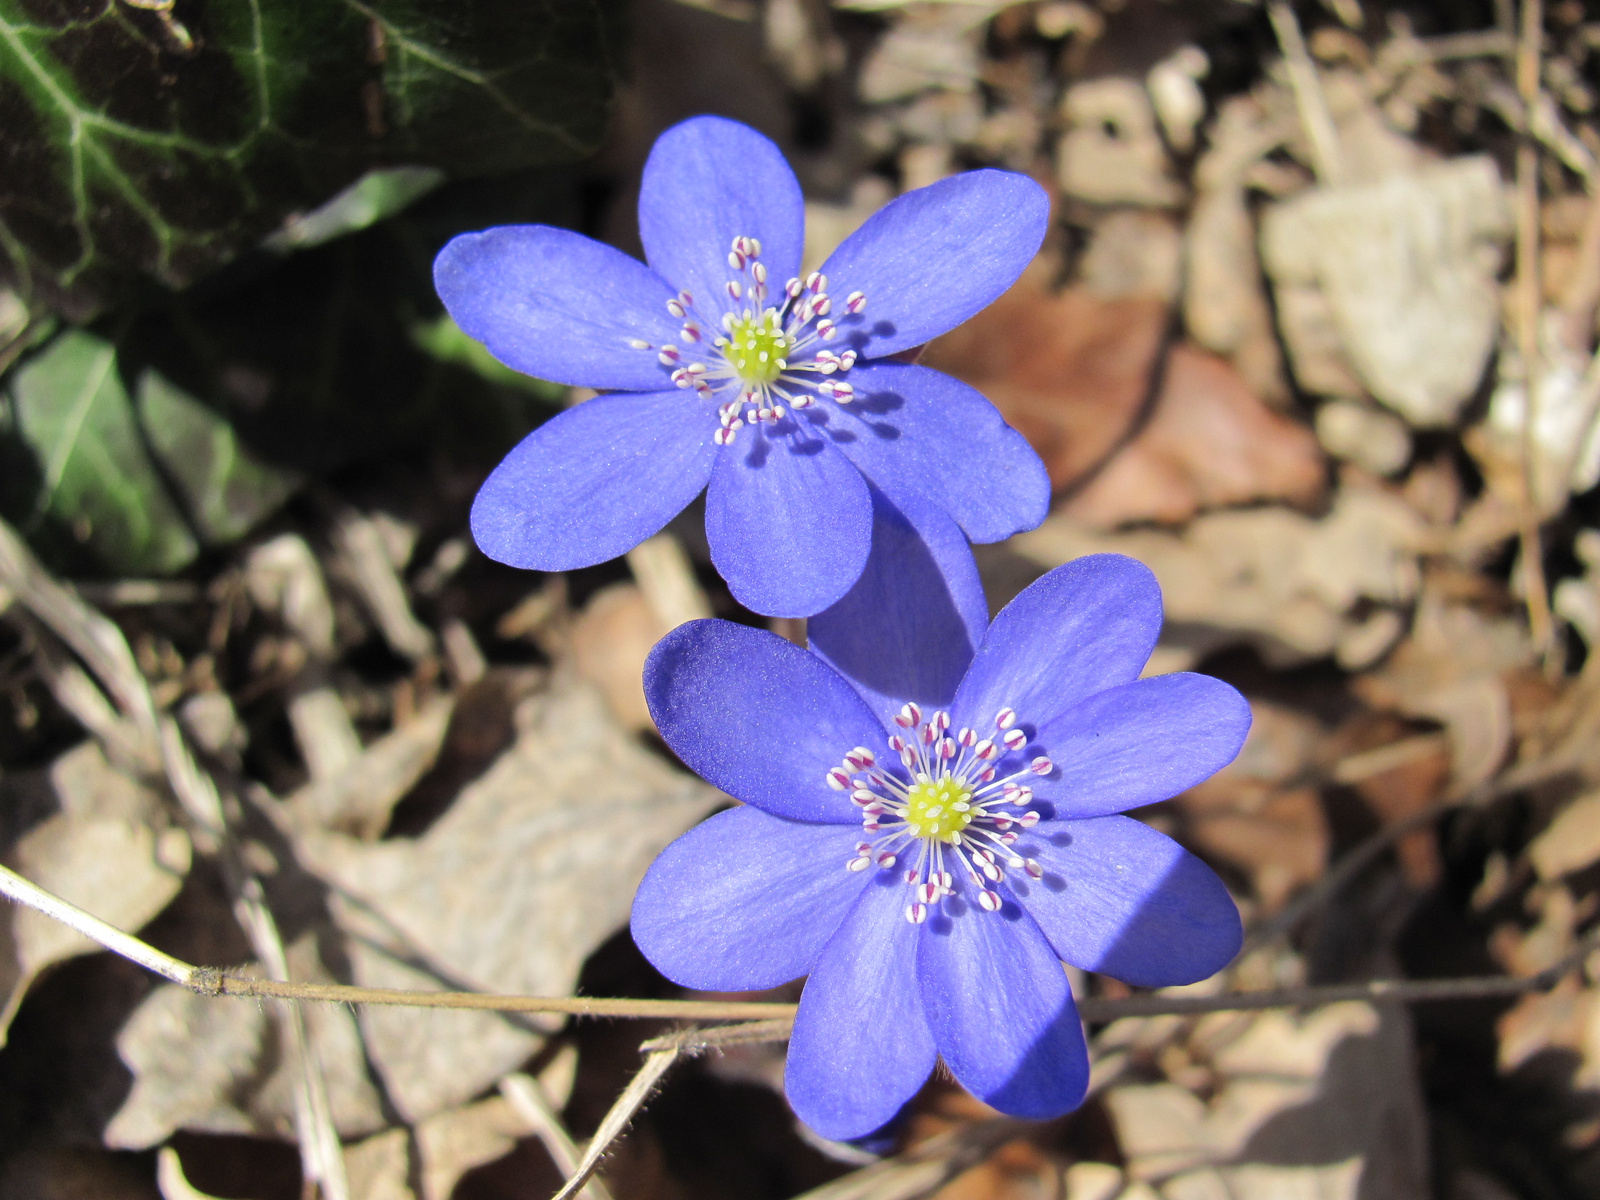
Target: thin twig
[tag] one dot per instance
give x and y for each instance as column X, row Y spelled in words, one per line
column 1327, row 157
column 656, row 1064
column 527, row 1095
column 1535, row 592
column 745, row 1033
column 209, row 981
column 15, row 887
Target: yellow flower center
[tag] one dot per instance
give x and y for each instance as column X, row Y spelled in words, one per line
column 757, row 347
column 938, row 809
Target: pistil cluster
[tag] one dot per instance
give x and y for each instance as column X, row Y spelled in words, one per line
column 768, row 354
column 947, row 806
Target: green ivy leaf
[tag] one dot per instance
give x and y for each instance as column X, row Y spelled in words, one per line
column 157, row 140
column 96, row 479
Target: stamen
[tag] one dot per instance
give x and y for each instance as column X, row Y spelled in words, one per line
column 769, row 359
column 943, row 806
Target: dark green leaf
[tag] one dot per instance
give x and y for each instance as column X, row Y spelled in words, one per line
column 226, row 489
column 140, row 142
column 96, row 479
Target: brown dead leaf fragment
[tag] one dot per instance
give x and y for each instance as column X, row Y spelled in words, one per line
column 1209, row 443
column 1067, row 369
column 1071, row 370
column 1251, row 815
column 610, row 640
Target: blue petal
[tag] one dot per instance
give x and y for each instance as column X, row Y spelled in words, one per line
column 1001, row 1010
column 758, row 717
column 861, row 1045
column 907, row 629
column 936, row 256
column 917, row 432
column 1139, row 743
column 552, row 303
column 594, row 481
column 1119, row 898
column 708, row 181
column 789, row 520
column 1078, row 630
column 745, row 900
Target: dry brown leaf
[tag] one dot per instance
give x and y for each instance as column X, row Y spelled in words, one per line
column 1225, row 306
column 1402, row 791
column 1279, row 836
column 359, row 798
column 1523, row 952
column 1285, row 583
column 1068, row 369
column 107, row 848
column 1251, row 815
column 1397, row 278
column 609, row 642
column 934, row 47
column 1323, row 1104
column 509, row 891
column 1209, row 443
column 1133, row 253
column 1111, row 152
column 1071, row 370
column 1376, row 441
column 1566, row 1018
column 448, row 1145
column 1453, row 669
column 215, row 1065
column 1571, row 842
column 1565, row 433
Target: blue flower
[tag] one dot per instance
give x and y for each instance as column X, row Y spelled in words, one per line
column 727, row 371
column 929, row 825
